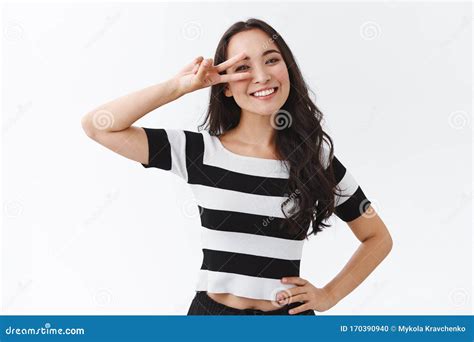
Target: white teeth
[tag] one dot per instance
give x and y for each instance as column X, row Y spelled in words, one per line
column 264, row 92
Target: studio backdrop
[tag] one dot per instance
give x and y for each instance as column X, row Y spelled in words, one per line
column 87, row 231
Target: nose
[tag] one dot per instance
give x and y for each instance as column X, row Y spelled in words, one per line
column 261, row 75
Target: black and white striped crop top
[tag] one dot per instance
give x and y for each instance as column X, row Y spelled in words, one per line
column 239, row 200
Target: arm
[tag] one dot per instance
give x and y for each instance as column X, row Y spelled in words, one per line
column 111, row 124
column 376, row 243
column 122, row 112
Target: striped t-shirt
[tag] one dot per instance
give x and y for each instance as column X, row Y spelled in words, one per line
column 239, row 198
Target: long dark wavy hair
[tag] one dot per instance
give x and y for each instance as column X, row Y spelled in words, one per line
column 311, row 184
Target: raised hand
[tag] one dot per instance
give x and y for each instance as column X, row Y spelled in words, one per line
column 201, row 73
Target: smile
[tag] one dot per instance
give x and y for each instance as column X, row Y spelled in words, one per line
column 265, row 94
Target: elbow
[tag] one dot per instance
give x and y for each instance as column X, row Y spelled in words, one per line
column 388, row 242
column 87, row 126
column 384, row 238
column 383, row 242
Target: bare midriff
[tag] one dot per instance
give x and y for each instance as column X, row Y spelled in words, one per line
column 242, row 303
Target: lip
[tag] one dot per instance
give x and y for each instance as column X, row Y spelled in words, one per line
column 267, row 96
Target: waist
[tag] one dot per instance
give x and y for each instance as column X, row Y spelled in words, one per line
column 243, row 303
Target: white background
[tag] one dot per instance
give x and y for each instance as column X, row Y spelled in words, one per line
column 86, row 231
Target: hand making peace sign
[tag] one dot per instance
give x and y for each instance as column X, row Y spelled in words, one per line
column 201, row 73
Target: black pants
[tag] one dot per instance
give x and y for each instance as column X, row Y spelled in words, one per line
column 202, row 304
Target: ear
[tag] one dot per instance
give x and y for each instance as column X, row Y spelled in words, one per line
column 227, row 91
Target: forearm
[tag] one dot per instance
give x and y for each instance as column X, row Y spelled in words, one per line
column 122, row 112
column 365, row 259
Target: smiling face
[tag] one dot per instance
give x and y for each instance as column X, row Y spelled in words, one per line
column 267, row 90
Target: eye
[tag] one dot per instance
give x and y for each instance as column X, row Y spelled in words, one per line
column 240, row 67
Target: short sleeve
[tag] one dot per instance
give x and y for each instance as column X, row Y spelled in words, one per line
column 350, row 200
column 167, row 150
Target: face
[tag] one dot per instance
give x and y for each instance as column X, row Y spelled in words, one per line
column 268, row 73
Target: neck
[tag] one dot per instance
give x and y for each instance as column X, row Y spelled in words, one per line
column 255, row 129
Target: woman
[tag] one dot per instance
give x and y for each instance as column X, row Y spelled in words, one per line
column 262, row 173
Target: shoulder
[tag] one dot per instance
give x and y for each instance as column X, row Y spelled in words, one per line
column 173, row 135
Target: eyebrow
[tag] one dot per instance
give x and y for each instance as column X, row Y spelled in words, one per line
column 264, row 53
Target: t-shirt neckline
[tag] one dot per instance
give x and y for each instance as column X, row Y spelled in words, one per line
column 236, row 155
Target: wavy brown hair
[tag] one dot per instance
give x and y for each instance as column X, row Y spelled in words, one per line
column 311, row 185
